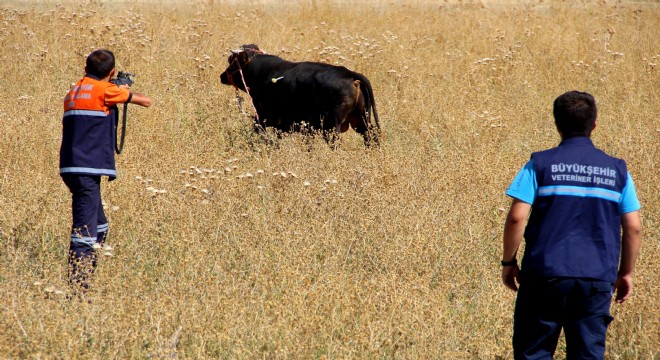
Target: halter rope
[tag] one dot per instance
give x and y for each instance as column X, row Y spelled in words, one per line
column 240, row 71
column 230, row 77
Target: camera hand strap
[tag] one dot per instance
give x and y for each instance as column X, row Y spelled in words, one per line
column 119, row 145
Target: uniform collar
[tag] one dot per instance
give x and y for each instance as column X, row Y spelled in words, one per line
column 93, row 77
column 577, row 140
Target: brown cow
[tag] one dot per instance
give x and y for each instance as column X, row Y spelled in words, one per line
column 293, row 95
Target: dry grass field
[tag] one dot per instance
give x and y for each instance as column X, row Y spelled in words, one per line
column 227, row 247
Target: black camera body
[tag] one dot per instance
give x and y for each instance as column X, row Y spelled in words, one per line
column 123, row 78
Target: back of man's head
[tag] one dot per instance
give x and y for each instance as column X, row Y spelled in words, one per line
column 100, row 63
column 575, row 114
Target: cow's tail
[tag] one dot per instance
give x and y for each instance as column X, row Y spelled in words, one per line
column 369, row 101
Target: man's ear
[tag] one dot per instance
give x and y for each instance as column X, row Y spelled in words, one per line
column 595, row 123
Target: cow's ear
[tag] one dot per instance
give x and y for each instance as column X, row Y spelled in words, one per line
column 243, row 57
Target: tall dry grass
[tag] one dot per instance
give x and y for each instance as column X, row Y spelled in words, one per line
column 225, row 247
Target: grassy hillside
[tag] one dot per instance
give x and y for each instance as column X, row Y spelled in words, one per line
column 226, row 247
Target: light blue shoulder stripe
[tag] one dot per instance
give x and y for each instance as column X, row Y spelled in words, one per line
column 85, row 112
column 580, row 192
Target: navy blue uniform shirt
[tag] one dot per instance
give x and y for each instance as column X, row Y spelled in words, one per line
column 578, row 194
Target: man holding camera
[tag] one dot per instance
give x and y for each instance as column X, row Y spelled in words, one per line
column 87, row 154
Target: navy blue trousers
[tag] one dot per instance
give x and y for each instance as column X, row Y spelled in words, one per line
column 543, row 307
column 89, row 225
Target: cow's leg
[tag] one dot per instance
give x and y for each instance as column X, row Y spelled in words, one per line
column 372, row 136
column 331, row 136
column 369, row 133
column 358, row 117
column 331, row 133
column 260, row 129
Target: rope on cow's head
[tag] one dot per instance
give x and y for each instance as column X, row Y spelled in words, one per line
column 251, row 51
column 254, row 52
column 239, row 100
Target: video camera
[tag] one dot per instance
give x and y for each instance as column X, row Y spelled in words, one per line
column 123, row 78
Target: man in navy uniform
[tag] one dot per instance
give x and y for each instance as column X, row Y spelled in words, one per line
column 575, row 255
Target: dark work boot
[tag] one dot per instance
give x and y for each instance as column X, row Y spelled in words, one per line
column 82, row 262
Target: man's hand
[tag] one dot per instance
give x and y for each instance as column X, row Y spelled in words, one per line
column 510, row 277
column 623, row 286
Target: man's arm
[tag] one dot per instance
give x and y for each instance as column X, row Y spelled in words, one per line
column 116, row 95
column 514, row 228
column 630, row 245
column 140, row 99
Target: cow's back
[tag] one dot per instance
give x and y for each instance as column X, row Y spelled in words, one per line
column 288, row 92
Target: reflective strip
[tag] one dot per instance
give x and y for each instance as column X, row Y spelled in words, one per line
column 75, row 238
column 85, row 112
column 102, row 228
column 84, row 170
column 578, row 191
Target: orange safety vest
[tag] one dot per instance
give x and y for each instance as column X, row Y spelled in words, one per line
column 88, row 127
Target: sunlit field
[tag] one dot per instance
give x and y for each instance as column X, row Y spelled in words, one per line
column 224, row 245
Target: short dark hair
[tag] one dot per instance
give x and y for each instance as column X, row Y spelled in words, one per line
column 100, row 63
column 575, row 113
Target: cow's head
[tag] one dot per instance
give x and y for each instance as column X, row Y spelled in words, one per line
column 238, row 60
